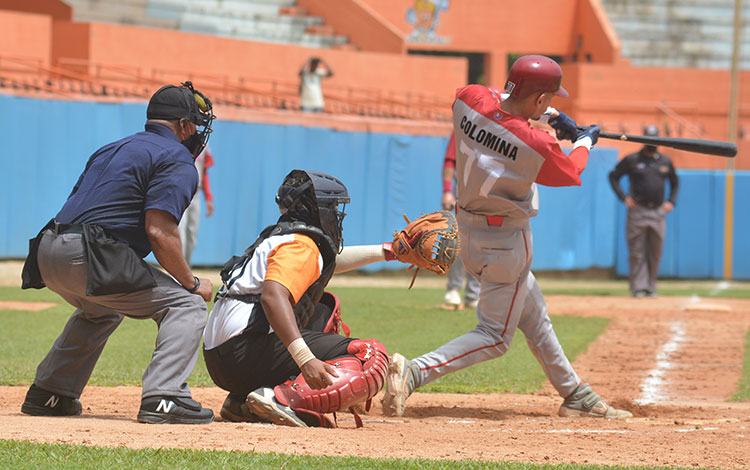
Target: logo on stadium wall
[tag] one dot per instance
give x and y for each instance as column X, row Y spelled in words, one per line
column 424, row 16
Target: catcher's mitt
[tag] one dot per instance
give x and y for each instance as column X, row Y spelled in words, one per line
column 430, row 242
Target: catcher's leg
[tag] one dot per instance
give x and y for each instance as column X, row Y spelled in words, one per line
column 360, row 378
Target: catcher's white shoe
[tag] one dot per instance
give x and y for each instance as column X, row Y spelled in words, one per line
column 398, row 386
column 263, row 404
column 585, row 403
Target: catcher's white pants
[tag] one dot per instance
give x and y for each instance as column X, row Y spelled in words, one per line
column 509, row 298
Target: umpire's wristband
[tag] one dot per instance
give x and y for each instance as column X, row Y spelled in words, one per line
column 196, row 286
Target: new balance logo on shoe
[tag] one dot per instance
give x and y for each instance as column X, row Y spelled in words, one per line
column 52, row 401
column 164, row 406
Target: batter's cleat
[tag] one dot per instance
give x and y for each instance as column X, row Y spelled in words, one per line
column 452, row 298
column 652, row 294
column 640, row 294
column 263, row 404
column 173, row 410
column 585, row 403
column 399, row 385
column 234, row 409
column 40, row 402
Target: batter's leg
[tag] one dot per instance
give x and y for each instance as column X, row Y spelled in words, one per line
column 543, row 343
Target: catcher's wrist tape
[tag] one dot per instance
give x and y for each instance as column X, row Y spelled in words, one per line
column 300, row 352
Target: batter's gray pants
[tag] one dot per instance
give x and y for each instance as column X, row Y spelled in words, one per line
column 188, row 227
column 179, row 315
column 645, row 230
column 509, row 298
column 456, row 277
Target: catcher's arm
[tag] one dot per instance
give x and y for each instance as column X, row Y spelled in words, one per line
column 353, row 257
column 277, row 305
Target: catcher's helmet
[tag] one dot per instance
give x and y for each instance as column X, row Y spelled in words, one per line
column 314, row 198
column 534, row 73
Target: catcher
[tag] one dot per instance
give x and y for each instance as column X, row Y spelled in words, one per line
column 272, row 338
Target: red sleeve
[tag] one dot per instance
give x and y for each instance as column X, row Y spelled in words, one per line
column 559, row 169
column 450, row 152
column 206, row 185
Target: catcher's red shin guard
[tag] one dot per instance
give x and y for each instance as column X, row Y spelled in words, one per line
column 360, row 379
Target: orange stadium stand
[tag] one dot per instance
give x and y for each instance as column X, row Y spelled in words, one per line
column 393, row 59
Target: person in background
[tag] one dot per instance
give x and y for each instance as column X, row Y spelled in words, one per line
column 192, row 217
column 648, row 172
column 457, row 274
column 312, row 72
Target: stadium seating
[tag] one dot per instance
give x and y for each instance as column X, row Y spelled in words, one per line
column 277, row 21
column 688, row 33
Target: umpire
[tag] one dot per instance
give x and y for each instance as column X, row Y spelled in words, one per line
column 648, row 171
column 126, row 203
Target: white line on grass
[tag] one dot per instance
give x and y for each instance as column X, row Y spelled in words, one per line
column 652, row 388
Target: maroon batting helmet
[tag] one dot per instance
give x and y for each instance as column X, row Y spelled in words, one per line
column 534, row 73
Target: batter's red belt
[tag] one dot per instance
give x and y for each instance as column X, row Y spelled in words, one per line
column 492, row 220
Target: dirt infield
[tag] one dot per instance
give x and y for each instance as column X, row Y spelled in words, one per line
column 673, row 362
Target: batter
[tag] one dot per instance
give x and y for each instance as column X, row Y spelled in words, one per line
column 500, row 159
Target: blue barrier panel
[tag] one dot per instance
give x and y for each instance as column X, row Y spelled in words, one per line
column 48, row 143
column 575, row 226
column 741, row 246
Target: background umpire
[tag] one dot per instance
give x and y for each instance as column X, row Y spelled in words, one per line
column 648, row 171
column 126, row 203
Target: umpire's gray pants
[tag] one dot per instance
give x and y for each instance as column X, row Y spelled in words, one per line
column 645, row 230
column 179, row 316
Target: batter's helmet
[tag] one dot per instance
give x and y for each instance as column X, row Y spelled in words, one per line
column 534, row 73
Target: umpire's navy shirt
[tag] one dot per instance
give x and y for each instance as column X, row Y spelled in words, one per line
column 122, row 180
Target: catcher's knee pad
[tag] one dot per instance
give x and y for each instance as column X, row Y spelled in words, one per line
column 360, row 378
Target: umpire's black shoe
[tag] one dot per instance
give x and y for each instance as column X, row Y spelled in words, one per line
column 40, row 402
column 173, row 410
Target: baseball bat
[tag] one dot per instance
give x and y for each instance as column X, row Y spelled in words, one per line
column 709, row 147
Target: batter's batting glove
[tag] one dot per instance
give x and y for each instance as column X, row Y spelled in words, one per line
column 564, row 126
column 590, row 131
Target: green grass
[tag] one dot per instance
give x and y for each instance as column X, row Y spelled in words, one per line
column 406, row 321
column 20, row 455
column 743, row 390
column 666, row 288
column 411, row 322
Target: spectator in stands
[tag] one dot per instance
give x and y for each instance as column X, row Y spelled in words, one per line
column 647, row 171
column 192, row 216
column 312, row 72
column 457, row 274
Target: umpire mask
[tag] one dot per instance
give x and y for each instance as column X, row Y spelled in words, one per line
column 184, row 102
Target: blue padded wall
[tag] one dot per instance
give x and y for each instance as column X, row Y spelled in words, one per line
column 48, row 143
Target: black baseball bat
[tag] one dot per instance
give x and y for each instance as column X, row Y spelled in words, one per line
column 709, row 147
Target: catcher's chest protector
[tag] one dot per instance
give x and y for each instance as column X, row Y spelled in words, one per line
column 360, row 378
column 305, row 307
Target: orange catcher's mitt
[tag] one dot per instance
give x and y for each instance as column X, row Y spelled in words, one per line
column 430, row 242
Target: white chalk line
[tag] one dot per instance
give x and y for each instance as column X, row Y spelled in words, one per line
column 652, row 388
